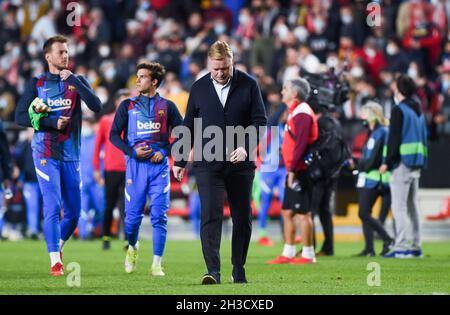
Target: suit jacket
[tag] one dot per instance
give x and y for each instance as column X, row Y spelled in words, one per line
column 244, row 107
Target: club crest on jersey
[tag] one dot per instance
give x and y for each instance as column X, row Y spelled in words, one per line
column 43, row 162
column 161, row 113
column 71, row 88
column 129, row 182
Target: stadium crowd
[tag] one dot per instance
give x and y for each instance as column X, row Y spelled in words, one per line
column 273, row 40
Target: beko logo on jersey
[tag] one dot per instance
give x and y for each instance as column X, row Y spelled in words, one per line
column 147, row 127
column 59, row 102
column 150, row 125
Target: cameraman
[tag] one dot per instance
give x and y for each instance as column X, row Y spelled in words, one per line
column 301, row 131
column 323, row 189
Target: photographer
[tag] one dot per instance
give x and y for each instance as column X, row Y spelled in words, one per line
column 323, row 189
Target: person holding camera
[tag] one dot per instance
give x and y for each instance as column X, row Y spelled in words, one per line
column 371, row 183
column 300, row 132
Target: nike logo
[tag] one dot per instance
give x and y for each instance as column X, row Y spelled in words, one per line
column 164, row 175
column 45, row 90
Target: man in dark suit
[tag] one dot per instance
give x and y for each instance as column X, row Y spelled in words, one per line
column 223, row 98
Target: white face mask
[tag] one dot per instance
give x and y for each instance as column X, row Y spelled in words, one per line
column 32, row 49
column 220, row 28
column 357, row 72
column 332, row 62
column 282, row 31
column 319, row 25
column 391, row 49
column 110, row 73
column 244, row 19
column 104, row 51
column 175, row 90
column 370, row 52
column 396, row 100
column 412, row 72
column 347, row 19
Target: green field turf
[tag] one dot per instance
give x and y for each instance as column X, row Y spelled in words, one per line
column 24, row 268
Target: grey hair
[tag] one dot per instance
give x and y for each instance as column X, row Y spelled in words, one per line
column 301, row 86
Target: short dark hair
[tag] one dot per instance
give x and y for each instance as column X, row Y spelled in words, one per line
column 55, row 39
column 406, row 85
column 157, row 70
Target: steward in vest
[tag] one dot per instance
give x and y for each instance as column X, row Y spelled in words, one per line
column 407, row 154
column 371, row 183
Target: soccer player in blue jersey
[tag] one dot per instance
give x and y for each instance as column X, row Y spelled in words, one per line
column 145, row 121
column 51, row 104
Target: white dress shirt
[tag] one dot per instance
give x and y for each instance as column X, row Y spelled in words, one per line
column 222, row 90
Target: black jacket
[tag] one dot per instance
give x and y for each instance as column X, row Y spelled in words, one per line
column 244, row 107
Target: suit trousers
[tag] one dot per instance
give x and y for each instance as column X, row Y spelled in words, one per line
column 212, row 184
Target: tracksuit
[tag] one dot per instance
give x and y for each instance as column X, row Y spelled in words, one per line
column 146, row 121
column 56, row 153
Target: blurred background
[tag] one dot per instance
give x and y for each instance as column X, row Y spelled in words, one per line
column 272, row 41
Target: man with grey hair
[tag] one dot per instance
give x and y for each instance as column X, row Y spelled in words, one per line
column 301, row 131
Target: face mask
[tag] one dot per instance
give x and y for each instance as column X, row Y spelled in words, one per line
column 412, row 72
column 445, row 86
column 15, row 52
column 32, row 50
column 391, row 49
column 175, row 90
column 357, row 72
column 220, row 28
column 370, row 52
column 110, row 73
column 301, row 33
column 318, row 25
column 387, row 81
column 282, row 31
column 347, row 19
column 243, row 19
column 92, row 78
column 332, row 62
column 3, row 103
column 104, row 51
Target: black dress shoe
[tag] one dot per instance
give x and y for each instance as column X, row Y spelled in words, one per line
column 210, row 279
column 387, row 246
column 365, row 253
column 238, row 275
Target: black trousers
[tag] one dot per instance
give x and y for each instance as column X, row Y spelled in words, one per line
column 114, row 193
column 366, row 200
column 320, row 205
column 211, row 186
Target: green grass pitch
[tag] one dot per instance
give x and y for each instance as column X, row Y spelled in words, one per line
column 24, row 268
